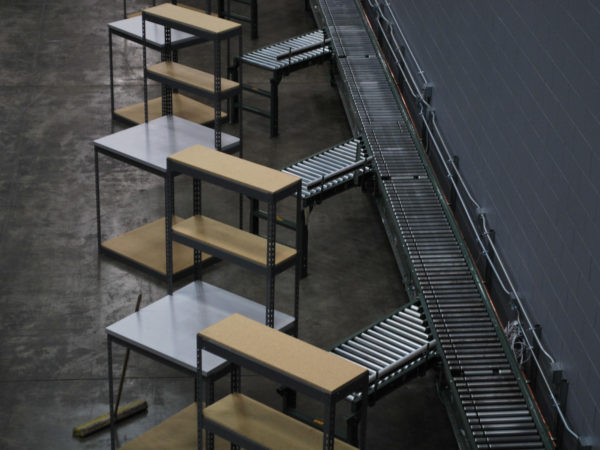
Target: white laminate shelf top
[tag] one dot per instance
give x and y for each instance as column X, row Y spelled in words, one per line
column 179, row 431
column 236, row 170
column 197, row 20
column 155, row 33
column 168, row 327
column 151, row 143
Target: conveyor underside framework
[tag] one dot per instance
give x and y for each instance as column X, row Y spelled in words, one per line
column 488, row 401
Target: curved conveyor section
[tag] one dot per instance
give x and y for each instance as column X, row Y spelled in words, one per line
column 488, row 402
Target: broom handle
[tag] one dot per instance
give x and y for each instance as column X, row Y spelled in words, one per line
column 137, row 308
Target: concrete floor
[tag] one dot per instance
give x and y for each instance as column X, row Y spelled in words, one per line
column 58, row 294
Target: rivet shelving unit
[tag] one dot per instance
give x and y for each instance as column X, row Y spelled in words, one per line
column 147, row 146
column 182, row 106
column 173, row 75
column 166, row 332
column 204, row 234
column 307, row 369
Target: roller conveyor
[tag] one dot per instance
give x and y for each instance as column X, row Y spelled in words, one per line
column 281, row 59
column 330, row 168
column 324, row 174
column 273, row 57
column 487, row 398
column 393, row 350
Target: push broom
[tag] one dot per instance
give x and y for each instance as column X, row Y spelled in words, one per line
column 122, row 413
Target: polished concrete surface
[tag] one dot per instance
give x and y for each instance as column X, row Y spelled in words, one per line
column 58, row 294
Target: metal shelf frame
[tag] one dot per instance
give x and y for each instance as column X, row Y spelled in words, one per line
column 281, row 59
column 168, row 85
column 270, row 270
column 145, row 332
column 239, row 361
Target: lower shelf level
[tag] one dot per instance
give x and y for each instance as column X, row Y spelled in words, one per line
column 183, row 107
column 264, row 426
column 176, row 432
column 145, row 246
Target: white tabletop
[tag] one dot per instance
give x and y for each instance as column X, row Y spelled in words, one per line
column 151, row 143
column 155, row 33
column 168, row 327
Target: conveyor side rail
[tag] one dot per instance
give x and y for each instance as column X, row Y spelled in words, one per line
column 281, row 59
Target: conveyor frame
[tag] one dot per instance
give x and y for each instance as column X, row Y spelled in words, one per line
column 269, row 58
column 397, row 137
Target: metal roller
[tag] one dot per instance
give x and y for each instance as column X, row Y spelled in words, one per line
column 374, row 363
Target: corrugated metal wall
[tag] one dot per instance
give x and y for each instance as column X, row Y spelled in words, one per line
column 517, row 96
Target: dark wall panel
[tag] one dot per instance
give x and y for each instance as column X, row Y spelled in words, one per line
column 517, row 95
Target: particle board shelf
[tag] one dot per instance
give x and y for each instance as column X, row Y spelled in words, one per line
column 145, row 246
column 174, row 76
column 189, row 20
column 179, row 431
column 256, row 422
column 184, row 107
column 131, row 29
column 284, row 359
column 190, row 78
column 231, row 240
column 320, row 369
column 235, row 170
column 147, row 147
